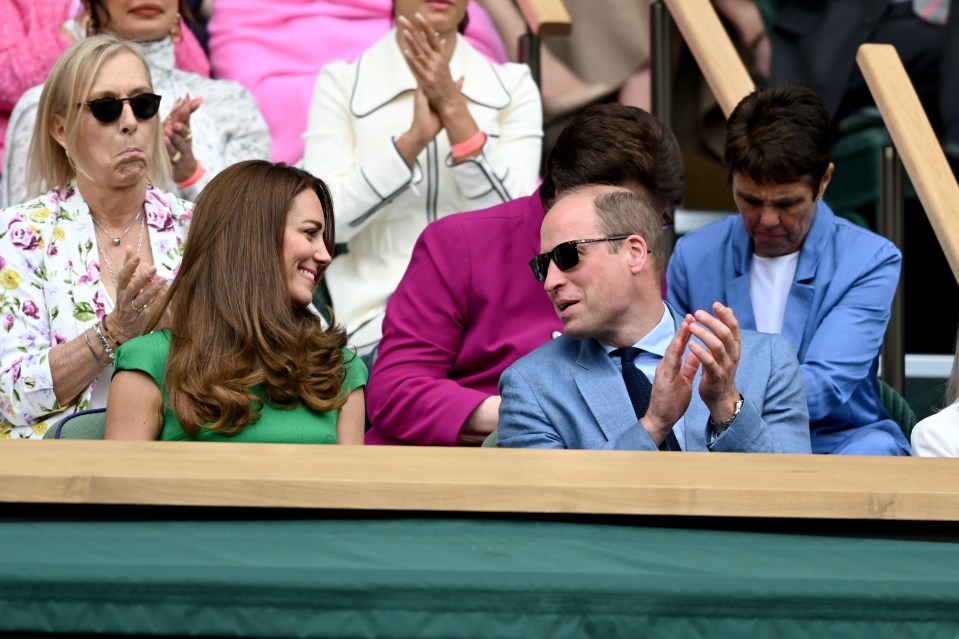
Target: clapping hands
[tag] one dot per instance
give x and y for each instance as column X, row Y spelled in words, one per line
column 179, row 137
column 718, row 355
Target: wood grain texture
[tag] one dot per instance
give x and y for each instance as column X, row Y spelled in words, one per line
column 546, row 17
column 713, row 49
column 915, row 141
column 478, row 480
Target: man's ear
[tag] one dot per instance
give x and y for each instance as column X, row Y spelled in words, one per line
column 638, row 251
column 827, row 176
column 59, row 131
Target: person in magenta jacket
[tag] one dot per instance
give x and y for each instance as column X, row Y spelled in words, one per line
column 466, row 308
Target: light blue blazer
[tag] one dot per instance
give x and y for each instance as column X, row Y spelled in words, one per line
column 836, row 311
column 570, row 394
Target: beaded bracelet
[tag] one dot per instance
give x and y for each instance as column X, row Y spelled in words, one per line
column 104, row 343
column 86, row 338
column 106, row 330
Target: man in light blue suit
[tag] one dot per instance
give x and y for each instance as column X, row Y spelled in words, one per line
column 602, row 268
column 789, row 266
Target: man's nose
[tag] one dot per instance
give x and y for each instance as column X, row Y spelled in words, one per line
column 554, row 277
column 769, row 216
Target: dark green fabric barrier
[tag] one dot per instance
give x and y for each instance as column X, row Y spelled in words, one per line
column 467, row 578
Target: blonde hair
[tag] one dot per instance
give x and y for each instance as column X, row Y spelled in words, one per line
column 64, row 92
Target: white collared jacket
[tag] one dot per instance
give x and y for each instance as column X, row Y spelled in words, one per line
column 358, row 110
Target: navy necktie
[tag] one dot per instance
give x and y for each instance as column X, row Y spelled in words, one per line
column 639, row 389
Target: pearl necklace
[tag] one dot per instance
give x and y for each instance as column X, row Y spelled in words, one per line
column 116, row 240
column 106, row 256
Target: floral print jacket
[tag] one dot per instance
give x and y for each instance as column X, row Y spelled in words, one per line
column 50, row 291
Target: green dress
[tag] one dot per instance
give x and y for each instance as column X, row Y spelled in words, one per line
column 297, row 425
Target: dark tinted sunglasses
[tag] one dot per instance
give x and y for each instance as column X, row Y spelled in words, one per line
column 144, row 107
column 564, row 255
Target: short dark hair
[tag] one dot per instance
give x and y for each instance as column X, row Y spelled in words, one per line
column 779, row 134
column 612, row 144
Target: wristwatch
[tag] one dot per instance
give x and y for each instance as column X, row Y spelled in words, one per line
column 721, row 428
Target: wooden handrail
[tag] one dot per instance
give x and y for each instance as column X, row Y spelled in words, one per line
column 546, row 17
column 714, row 51
column 915, row 141
column 478, row 480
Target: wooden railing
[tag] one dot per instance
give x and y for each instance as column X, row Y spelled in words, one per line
column 714, row 51
column 916, row 143
column 545, row 17
column 478, row 480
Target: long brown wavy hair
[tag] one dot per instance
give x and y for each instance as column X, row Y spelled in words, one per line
column 234, row 325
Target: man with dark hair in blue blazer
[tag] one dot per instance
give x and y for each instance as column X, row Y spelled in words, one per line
column 789, row 266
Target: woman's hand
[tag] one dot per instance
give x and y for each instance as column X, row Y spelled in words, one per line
column 179, row 137
column 429, row 63
column 426, row 126
column 135, row 292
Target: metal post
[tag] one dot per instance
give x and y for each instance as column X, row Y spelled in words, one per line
column 892, row 227
column 529, row 53
column 661, row 66
column 661, row 70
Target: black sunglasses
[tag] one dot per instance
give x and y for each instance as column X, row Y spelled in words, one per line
column 144, row 106
column 564, row 255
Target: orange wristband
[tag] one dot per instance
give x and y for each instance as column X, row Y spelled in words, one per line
column 193, row 179
column 469, row 146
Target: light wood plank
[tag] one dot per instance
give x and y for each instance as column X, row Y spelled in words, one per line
column 713, row 49
column 478, row 480
column 915, row 141
column 546, row 17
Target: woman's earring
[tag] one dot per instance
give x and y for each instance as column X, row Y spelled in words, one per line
column 176, row 32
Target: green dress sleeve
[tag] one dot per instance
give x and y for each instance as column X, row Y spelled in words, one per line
column 147, row 353
column 356, row 371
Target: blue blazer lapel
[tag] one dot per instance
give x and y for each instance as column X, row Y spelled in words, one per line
column 603, row 390
column 801, row 294
column 737, row 288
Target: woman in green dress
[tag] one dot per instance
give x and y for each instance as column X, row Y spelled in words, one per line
column 245, row 357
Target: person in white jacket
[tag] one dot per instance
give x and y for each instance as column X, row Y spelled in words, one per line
column 419, row 127
column 938, row 434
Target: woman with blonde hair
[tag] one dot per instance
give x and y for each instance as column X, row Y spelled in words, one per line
column 208, row 124
column 245, row 358
column 80, row 263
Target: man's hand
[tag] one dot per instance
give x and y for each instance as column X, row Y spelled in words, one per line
column 719, row 359
column 672, row 387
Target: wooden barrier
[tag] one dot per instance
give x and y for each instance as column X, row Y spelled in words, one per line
column 915, row 141
column 478, row 480
column 713, row 49
column 546, row 17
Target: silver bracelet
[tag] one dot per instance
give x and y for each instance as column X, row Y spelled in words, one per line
column 86, row 338
column 104, row 343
